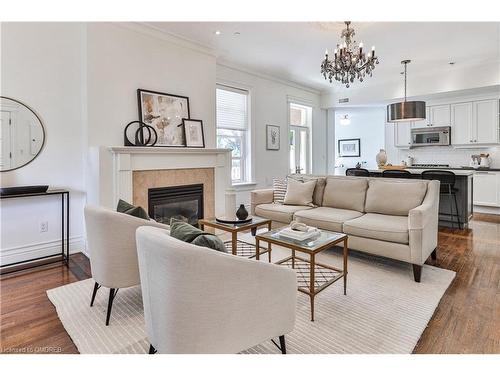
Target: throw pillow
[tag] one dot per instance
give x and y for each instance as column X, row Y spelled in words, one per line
column 187, row 233
column 279, row 190
column 129, row 209
column 318, row 190
column 300, row 193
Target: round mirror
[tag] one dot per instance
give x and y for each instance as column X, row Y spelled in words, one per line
column 22, row 135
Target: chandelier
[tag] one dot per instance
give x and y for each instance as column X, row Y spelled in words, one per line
column 350, row 62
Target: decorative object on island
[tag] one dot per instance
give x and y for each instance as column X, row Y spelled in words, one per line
column 349, row 147
column 349, row 62
column 164, row 112
column 144, row 135
column 193, row 130
column 406, row 111
column 22, row 134
column 272, row 137
column 230, row 210
column 381, row 158
column 242, row 212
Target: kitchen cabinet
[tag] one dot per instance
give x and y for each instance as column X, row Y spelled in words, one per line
column 461, row 122
column 487, row 188
column 485, row 121
column 475, row 123
column 439, row 115
column 402, row 134
column 422, row 123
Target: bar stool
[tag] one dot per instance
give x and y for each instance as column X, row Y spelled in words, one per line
column 357, row 172
column 447, row 187
column 396, row 173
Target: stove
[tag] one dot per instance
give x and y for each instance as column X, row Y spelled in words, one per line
column 430, row 166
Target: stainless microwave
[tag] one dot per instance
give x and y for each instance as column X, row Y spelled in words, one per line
column 434, row 136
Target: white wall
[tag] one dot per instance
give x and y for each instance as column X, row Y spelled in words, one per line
column 269, row 105
column 41, row 65
column 368, row 125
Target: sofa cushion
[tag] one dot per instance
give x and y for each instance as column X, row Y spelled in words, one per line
column 380, row 227
column 394, row 197
column 299, row 193
column 326, row 217
column 345, row 192
column 278, row 212
column 319, row 189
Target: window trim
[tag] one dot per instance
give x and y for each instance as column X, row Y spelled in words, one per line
column 292, row 100
column 248, row 148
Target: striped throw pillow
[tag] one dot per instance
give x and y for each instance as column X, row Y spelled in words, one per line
column 279, row 190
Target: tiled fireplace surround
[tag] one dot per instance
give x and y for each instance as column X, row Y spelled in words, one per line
column 128, row 172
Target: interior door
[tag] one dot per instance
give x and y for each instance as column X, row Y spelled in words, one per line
column 299, row 149
column 5, row 140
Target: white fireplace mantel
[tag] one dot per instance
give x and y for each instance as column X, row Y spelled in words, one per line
column 111, row 169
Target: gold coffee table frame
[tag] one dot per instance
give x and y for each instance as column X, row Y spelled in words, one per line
column 329, row 274
column 234, row 229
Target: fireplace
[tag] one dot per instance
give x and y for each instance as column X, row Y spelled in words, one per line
column 181, row 202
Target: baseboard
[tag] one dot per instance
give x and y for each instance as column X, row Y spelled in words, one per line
column 40, row 249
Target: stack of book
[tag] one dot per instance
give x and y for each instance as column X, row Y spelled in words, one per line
column 299, row 235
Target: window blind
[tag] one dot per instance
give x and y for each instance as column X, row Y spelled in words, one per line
column 232, row 110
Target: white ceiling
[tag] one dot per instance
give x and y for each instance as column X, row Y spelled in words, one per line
column 294, row 50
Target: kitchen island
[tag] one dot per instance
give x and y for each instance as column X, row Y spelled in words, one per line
column 464, row 179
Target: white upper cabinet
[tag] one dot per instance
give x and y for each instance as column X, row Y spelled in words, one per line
column 422, row 123
column 475, row 123
column 461, row 122
column 402, row 134
column 485, row 121
column 439, row 115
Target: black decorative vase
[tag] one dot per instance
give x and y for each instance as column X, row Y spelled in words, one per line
column 242, row 212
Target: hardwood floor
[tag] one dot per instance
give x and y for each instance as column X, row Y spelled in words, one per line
column 467, row 319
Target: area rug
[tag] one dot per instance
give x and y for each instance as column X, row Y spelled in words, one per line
column 384, row 311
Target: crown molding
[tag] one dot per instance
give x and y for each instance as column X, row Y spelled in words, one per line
column 267, row 76
column 156, row 32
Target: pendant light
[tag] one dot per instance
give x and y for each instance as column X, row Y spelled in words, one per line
column 406, row 111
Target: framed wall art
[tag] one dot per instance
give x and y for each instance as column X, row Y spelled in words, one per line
column 164, row 112
column 349, row 147
column 272, row 137
column 193, row 130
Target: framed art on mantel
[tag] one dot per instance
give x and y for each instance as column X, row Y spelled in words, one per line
column 164, row 112
column 193, row 130
column 272, row 137
column 349, row 147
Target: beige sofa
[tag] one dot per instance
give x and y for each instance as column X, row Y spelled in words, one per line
column 394, row 218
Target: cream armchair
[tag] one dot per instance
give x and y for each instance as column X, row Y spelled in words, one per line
column 112, row 249
column 197, row 300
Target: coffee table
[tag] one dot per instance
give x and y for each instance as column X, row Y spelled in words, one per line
column 313, row 277
column 236, row 246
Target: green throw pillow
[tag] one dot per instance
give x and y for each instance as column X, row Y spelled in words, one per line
column 129, row 209
column 187, row 233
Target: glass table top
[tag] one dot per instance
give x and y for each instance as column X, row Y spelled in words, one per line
column 255, row 220
column 323, row 238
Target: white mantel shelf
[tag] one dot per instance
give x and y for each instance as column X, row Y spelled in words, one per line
column 166, row 150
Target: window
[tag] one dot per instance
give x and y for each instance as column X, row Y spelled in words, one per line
column 233, row 129
column 300, row 117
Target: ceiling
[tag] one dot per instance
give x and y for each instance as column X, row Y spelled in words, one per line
column 293, row 50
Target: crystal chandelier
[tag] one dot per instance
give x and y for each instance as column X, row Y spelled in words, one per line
column 349, row 62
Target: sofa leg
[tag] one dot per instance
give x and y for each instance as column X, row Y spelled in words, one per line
column 417, row 272
column 282, row 344
column 152, row 349
column 434, row 254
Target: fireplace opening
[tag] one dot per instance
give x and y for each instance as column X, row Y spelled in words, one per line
column 180, row 202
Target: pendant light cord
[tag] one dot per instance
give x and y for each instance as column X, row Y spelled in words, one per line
column 405, row 79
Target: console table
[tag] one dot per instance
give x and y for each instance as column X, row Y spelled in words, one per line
column 63, row 255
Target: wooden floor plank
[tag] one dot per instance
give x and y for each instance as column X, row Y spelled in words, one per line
column 467, row 319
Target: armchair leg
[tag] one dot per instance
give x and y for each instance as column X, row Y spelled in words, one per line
column 417, row 272
column 434, row 254
column 282, row 344
column 152, row 349
column 112, row 295
column 96, row 287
